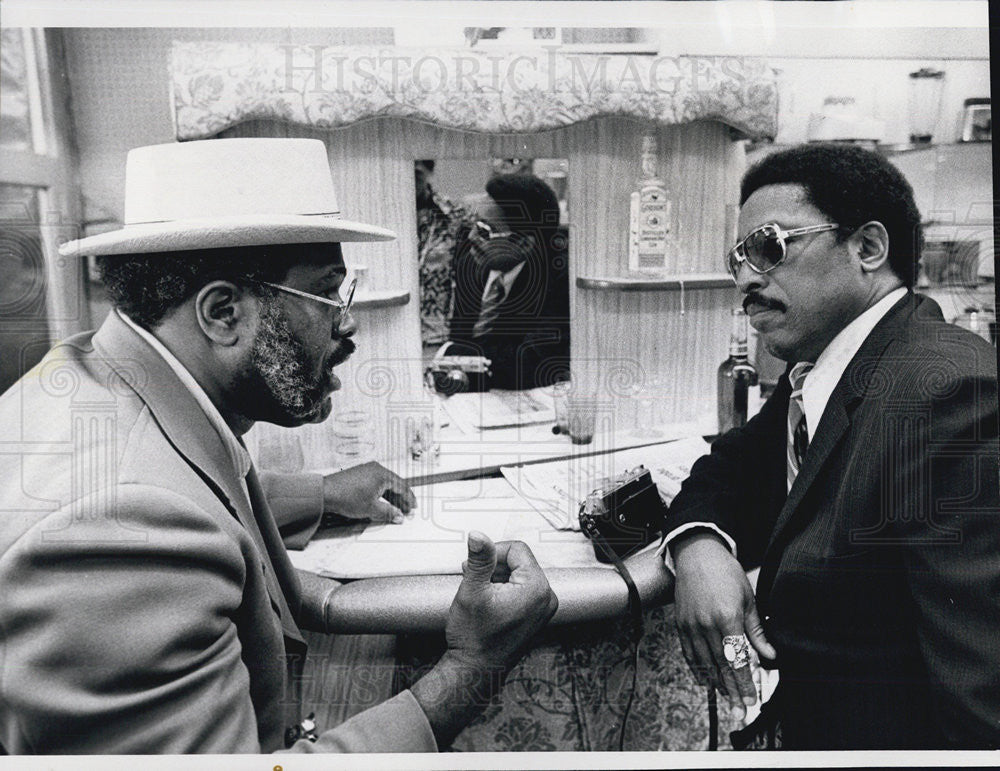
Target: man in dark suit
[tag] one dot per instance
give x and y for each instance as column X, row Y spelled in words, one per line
column 511, row 301
column 866, row 489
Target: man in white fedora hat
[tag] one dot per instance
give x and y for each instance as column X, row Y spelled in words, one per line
column 147, row 603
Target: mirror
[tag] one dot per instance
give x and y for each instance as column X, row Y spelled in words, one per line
column 493, row 261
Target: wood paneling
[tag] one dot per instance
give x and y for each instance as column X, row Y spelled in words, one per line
column 619, row 339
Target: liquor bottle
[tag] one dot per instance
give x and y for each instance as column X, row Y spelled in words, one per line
column 982, row 321
column 649, row 216
column 737, row 379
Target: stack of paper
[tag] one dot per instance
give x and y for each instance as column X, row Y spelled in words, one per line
column 557, row 489
column 500, row 409
column 433, row 540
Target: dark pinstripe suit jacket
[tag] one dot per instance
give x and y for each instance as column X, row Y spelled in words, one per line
column 529, row 341
column 880, row 569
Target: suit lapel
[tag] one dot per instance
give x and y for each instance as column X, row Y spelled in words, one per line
column 527, row 292
column 514, row 300
column 280, row 566
column 474, row 278
column 188, row 429
column 831, row 429
column 476, row 301
column 836, row 420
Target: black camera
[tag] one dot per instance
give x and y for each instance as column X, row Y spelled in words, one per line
column 625, row 516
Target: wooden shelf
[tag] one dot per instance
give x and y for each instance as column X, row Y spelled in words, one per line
column 380, row 298
column 902, row 149
column 676, row 281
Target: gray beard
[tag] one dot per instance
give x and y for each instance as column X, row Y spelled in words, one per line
column 279, row 361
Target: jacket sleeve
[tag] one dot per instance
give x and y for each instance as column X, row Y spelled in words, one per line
column 296, row 502
column 118, row 638
column 117, row 632
column 314, row 593
column 396, row 725
column 734, row 487
column 946, row 519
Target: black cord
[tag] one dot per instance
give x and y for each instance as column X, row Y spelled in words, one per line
column 713, row 721
column 637, row 630
column 631, row 694
column 635, row 612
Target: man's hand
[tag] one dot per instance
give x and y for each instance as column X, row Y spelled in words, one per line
column 369, row 491
column 713, row 599
column 503, row 600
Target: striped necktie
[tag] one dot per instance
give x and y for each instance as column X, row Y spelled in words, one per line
column 798, row 434
column 491, row 307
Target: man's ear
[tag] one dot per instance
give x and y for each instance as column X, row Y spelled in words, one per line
column 872, row 242
column 223, row 310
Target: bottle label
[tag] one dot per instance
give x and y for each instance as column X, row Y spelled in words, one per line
column 754, row 401
column 650, row 229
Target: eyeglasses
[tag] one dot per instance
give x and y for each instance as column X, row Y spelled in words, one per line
column 765, row 248
column 342, row 307
column 485, row 232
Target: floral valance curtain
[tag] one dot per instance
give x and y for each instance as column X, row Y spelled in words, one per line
column 217, row 85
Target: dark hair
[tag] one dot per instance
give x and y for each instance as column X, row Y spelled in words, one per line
column 852, row 186
column 528, row 204
column 146, row 287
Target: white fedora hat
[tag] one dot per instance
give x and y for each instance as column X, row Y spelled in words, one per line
column 217, row 193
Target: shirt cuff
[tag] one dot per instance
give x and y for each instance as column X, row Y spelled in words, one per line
column 397, row 725
column 664, row 550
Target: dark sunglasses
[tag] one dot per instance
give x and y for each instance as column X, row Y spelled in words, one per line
column 766, row 247
column 485, row 232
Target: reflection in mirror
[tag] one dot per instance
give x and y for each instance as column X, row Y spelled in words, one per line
column 493, row 246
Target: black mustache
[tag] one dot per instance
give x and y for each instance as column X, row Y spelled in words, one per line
column 345, row 347
column 753, row 297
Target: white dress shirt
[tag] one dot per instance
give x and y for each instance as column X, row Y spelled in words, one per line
column 830, row 365
column 816, row 391
column 507, row 279
column 238, row 454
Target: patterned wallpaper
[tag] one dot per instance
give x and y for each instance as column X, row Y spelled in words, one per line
column 218, row 85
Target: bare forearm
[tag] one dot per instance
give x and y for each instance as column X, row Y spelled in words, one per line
column 453, row 693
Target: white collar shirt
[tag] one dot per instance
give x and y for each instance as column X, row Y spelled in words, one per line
column 830, row 366
column 238, row 455
column 507, row 279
